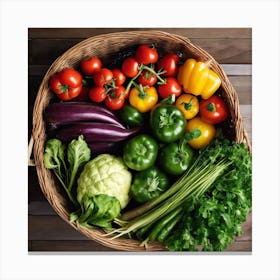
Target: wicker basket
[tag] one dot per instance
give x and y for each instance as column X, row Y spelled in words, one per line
column 105, row 46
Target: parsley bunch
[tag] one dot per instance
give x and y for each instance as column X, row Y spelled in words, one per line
column 213, row 220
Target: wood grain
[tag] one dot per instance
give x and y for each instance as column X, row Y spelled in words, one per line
column 231, row 47
column 234, row 33
column 94, row 247
column 55, row 229
column 44, row 51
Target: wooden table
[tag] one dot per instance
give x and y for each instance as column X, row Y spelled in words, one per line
column 231, row 47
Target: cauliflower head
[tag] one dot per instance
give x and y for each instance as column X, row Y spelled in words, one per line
column 105, row 174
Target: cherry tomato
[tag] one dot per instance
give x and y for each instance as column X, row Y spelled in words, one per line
column 119, row 76
column 67, row 84
column 130, row 67
column 91, row 65
column 171, row 86
column 117, row 92
column 97, row 94
column 169, row 64
column 146, row 55
column 102, row 77
column 213, row 110
column 83, row 96
column 121, row 92
column 146, row 78
column 207, row 130
column 114, row 103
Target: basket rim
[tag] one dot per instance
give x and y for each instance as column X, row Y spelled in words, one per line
column 46, row 180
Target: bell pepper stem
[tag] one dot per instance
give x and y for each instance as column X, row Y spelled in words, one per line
column 193, row 134
column 142, row 93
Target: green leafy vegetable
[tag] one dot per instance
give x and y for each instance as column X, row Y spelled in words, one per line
column 208, row 203
column 195, row 181
column 216, row 217
column 103, row 190
column 78, row 153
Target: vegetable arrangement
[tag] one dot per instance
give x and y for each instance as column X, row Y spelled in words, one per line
column 138, row 149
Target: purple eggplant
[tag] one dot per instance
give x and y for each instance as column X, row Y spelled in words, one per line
column 58, row 114
column 102, row 147
column 95, row 132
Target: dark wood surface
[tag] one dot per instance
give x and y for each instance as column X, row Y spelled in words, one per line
column 231, row 47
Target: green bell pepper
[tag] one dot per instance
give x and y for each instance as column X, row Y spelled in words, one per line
column 168, row 123
column 131, row 116
column 140, row 152
column 149, row 184
column 175, row 158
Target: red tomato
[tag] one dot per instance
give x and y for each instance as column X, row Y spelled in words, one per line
column 102, row 77
column 146, row 78
column 213, row 110
column 120, row 92
column 114, row 103
column 67, row 84
column 91, row 65
column 97, row 94
column 171, row 86
column 146, row 55
column 83, row 96
column 117, row 92
column 130, row 67
column 119, row 76
column 169, row 64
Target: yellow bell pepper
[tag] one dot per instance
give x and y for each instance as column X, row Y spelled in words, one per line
column 188, row 104
column 208, row 132
column 196, row 78
column 143, row 98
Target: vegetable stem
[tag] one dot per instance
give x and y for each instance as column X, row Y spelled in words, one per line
column 72, row 199
column 191, row 185
column 173, row 189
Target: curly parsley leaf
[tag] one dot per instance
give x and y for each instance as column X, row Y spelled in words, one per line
column 214, row 220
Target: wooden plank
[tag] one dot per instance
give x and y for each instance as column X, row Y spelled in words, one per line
column 237, row 69
column 243, row 88
column 246, row 113
column 224, row 50
column 54, row 228
column 33, row 86
column 227, row 50
column 40, row 208
column 92, row 246
column 244, row 246
column 51, row 228
column 188, row 32
column 247, row 230
column 67, row 245
column 34, row 190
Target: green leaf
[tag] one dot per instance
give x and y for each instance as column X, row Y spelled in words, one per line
column 78, row 153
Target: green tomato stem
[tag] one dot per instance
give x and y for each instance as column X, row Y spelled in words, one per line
column 130, row 83
column 162, row 81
